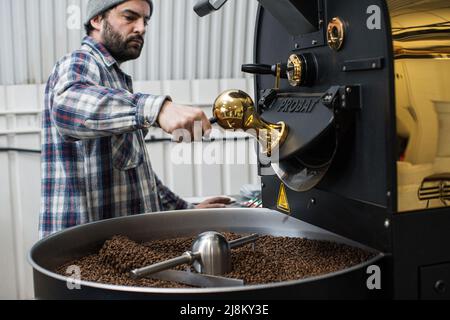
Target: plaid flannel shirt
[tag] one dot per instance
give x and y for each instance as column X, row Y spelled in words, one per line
column 95, row 163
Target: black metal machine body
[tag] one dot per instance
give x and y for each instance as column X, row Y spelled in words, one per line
column 357, row 197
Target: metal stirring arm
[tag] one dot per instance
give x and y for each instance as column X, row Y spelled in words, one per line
column 243, row 241
column 188, row 257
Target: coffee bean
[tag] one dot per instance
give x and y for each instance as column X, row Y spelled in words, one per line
column 274, row 259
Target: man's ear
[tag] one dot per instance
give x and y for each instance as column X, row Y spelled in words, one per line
column 96, row 22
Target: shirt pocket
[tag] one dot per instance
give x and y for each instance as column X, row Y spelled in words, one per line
column 127, row 151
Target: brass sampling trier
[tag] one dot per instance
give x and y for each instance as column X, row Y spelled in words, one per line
column 234, row 109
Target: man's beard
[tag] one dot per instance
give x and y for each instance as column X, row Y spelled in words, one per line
column 121, row 49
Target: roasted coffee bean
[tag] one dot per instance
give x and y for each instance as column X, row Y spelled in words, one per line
column 274, row 259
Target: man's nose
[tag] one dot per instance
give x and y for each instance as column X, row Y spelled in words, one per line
column 140, row 27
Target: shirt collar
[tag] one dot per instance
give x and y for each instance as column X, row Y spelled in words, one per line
column 101, row 50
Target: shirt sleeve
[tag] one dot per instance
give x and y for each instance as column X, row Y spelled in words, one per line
column 84, row 109
column 170, row 201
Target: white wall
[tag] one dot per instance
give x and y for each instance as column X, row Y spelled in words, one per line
column 20, row 171
column 34, row 34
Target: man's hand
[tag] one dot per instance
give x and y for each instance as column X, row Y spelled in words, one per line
column 218, row 202
column 179, row 120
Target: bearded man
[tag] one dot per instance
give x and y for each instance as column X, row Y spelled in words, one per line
column 95, row 164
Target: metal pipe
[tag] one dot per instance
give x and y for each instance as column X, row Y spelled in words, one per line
column 187, row 257
column 243, row 241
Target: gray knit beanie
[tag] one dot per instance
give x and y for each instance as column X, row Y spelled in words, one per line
column 96, row 7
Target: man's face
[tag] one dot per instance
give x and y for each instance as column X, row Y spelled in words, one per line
column 123, row 29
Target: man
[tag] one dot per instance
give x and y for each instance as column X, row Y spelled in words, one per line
column 94, row 161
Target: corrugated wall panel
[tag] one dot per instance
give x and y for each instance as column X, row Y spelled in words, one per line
column 179, row 44
column 227, row 40
column 61, row 35
column 239, row 38
column 250, row 32
column 19, row 42
column 190, row 64
column 216, row 53
column 7, row 61
column 33, row 36
column 49, row 41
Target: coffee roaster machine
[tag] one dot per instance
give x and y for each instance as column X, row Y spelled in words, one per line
column 351, row 109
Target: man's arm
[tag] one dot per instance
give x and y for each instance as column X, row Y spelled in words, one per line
column 82, row 109
column 169, row 200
